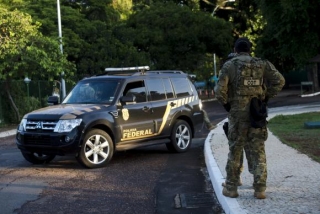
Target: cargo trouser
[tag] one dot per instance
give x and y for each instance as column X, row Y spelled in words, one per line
column 243, row 137
column 248, row 156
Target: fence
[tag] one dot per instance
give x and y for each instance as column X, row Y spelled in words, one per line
column 26, row 97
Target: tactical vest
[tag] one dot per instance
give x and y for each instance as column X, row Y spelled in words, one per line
column 249, row 78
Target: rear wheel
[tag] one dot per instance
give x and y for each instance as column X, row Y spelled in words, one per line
column 96, row 150
column 181, row 137
column 37, row 158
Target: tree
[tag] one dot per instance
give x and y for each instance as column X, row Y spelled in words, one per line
column 95, row 37
column 281, row 41
column 138, row 5
column 175, row 37
column 24, row 51
column 87, row 33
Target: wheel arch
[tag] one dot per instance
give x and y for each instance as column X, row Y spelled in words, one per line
column 102, row 125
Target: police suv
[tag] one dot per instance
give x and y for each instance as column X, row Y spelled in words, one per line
column 123, row 108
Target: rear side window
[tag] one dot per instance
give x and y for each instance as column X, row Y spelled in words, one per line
column 156, row 89
column 181, row 87
column 168, row 88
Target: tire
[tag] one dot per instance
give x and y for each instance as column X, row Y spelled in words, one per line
column 181, row 137
column 37, row 158
column 96, row 149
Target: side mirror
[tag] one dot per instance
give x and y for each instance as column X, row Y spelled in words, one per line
column 128, row 99
column 53, row 100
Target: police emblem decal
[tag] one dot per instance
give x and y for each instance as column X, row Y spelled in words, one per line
column 125, row 114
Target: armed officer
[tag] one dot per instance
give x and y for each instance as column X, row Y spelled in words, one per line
column 242, row 80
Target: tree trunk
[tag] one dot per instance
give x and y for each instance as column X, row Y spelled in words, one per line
column 16, row 110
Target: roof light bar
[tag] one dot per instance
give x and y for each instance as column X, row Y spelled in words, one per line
column 137, row 68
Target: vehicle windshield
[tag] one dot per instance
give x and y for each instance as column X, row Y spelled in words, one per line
column 94, row 92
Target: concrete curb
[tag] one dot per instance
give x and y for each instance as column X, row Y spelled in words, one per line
column 310, row 95
column 8, row 133
column 229, row 205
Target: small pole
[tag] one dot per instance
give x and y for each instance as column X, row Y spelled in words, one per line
column 27, row 81
column 63, row 84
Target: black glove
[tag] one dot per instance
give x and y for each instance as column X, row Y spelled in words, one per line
column 226, row 128
column 227, row 107
column 266, row 99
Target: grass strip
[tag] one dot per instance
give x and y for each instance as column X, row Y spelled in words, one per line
column 290, row 130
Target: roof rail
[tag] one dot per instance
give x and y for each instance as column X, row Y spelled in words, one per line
column 167, row 71
column 127, row 70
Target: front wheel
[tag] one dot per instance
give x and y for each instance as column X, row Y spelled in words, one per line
column 37, row 158
column 181, row 137
column 96, row 150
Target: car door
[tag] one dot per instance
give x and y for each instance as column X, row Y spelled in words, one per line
column 136, row 119
column 160, row 95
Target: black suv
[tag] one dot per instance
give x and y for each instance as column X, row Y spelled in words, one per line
column 122, row 109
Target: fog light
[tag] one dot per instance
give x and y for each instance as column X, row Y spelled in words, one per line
column 67, row 139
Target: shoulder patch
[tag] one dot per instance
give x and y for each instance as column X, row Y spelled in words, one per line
column 228, row 64
column 256, row 58
column 271, row 66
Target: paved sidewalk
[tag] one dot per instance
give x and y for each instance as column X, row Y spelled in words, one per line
column 293, row 184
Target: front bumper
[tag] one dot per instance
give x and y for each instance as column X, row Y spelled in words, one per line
column 48, row 142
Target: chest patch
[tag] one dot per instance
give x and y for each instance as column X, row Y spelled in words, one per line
column 251, row 82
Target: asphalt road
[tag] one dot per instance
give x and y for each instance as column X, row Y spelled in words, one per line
column 146, row 180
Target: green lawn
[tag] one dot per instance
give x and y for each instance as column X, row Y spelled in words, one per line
column 290, row 130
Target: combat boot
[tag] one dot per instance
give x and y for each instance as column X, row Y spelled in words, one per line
column 260, row 195
column 239, row 183
column 211, row 127
column 230, row 194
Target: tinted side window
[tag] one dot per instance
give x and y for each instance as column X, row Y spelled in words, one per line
column 156, row 89
column 137, row 89
column 168, row 88
column 181, row 87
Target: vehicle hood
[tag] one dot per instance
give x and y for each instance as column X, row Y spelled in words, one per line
column 64, row 111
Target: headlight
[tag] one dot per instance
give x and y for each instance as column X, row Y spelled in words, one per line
column 67, row 125
column 200, row 104
column 22, row 125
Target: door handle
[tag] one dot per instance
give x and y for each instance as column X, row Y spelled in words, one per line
column 145, row 108
column 172, row 104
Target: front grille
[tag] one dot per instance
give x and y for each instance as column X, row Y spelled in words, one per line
column 37, row 139
column 41, row 125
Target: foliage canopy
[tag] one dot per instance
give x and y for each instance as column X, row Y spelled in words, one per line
column 291, row 36
column 176, row 37
column 25, row 51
